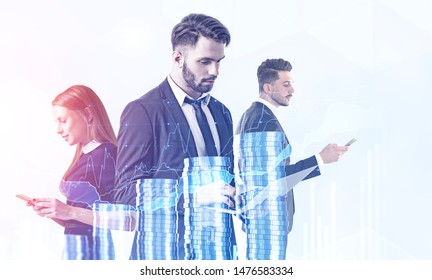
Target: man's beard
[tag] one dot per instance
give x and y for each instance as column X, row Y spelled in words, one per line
column 279, row 99
column 189, row 77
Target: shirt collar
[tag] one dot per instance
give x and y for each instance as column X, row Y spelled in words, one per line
column 180, row 95
column 272, row 107
column 90, row 146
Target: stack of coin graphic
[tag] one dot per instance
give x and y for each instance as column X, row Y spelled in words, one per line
column 108, row 216
column 76, row 247
column 261, row 163
column 157, row 236
column 208, row 228
column 113, row 216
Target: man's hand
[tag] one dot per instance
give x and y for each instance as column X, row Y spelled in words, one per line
column 216, row 192
column 332, row 153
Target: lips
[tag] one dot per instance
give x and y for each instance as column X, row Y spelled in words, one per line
column 209, row 81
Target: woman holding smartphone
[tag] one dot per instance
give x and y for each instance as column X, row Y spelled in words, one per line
column 82, row 121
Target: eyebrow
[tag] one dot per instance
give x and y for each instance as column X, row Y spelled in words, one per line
column 209, row 58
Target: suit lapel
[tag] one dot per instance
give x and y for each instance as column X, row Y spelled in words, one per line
column 222, row 120
column 177, row 116
column 270, row 112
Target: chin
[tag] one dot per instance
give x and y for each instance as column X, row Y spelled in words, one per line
column 70, row 143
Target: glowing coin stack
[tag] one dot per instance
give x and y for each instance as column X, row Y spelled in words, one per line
column 76, row 247
column 208, row 230
column 157, row 235
column 106, row 217
column 265, row 206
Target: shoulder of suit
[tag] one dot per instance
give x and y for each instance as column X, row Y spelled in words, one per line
column 215, row 101
column 152, row 95
column 259, row 106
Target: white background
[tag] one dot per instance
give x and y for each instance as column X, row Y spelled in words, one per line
column 361, row 68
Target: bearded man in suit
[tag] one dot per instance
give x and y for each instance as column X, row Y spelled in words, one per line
column 159, row 130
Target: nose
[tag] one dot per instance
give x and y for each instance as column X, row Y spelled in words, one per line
column 59, row 129
column 291, row 90
column 214, row 69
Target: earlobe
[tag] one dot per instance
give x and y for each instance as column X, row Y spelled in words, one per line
column 178, row 59
column 267, row 88
column 89, row 115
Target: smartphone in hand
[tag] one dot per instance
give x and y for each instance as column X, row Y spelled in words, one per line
column 29, row 200
column 350, row 142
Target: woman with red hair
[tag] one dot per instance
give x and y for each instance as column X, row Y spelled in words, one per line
column 82, row 121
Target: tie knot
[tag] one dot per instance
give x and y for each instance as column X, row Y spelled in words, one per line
column 196, row 103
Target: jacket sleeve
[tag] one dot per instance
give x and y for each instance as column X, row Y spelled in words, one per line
column 303, row 165
column 135, row 141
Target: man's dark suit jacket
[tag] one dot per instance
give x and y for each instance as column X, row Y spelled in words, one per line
column 259, row 118
column 155, row 138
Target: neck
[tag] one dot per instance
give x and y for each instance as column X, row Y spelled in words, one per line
column 179, row 81
column 266, row 97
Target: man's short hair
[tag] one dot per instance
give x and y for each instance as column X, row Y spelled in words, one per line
column 268, row 71
column 192, row 26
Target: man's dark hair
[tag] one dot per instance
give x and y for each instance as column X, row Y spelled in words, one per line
column 192, row 26
column 268, row 71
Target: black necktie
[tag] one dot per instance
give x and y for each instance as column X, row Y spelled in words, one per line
column 204, row 126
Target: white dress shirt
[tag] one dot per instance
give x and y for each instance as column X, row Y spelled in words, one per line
column 189, row 112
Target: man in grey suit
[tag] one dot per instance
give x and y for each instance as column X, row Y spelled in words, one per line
column 159, row 130
column 261, row 118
